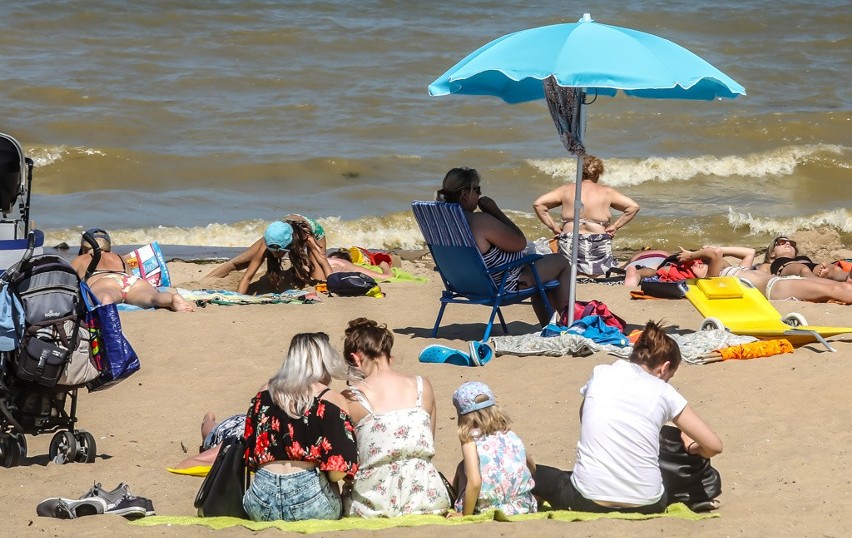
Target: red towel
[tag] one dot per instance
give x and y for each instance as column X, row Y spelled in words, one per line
column 677, row 271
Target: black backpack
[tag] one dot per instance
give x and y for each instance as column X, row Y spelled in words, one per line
column 49, row 290
column 351, row 284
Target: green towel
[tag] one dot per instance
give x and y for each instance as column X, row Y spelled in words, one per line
column 678, row 510
column 398, row 274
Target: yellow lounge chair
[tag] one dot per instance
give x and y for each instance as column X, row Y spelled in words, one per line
column 737, row 306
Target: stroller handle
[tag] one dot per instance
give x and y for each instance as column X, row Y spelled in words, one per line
column 96, row 253
column 16, row 270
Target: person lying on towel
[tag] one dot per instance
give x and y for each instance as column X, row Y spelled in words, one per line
column 112, row 282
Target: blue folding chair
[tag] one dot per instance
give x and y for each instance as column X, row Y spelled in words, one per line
column 462, row 268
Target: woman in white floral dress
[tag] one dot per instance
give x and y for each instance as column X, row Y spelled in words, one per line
column 394, row 430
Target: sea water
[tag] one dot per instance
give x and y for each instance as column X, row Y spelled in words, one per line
column 197, row 122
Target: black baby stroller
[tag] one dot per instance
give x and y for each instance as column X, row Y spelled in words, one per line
column 42, row 331
column 45, row 359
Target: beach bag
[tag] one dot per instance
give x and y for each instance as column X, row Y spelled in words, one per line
column 112, row 353
column 593, row 308
column 655, row 287
column 47, row 288
column 221, row 493
column 80, row 368
column 688, row 478
column 350, row 284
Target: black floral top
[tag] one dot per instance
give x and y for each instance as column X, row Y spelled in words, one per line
column 324, row 435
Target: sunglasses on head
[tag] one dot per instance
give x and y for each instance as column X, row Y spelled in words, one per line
column 784, row 241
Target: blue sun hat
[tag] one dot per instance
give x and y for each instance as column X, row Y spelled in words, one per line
column 95, row 233
column 464, row 398
column 278, row 236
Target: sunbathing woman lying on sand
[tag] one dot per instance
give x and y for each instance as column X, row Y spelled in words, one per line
column 782, row 259
column 111, row 281
column 818, row 290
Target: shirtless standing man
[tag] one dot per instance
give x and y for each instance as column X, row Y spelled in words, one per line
column 111, row 282
column 596, row 232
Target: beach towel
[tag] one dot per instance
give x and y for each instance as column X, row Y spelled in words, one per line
column 398, row 274
column 231, row 298
column 692, row 345
column 678, row 510
column 595, row 328
column 553, row 346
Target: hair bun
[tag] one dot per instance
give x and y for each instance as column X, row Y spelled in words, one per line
column 359, row 323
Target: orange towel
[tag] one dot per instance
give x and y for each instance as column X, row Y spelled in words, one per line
column 754, row 350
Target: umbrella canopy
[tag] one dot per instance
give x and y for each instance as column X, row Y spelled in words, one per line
column 593, row 58
column 588, row 55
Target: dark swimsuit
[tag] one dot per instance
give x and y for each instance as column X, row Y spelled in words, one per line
column 779, row 264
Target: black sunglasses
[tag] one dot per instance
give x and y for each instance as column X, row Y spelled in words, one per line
column 785, row 241
column 274, row 247
column 477, row 189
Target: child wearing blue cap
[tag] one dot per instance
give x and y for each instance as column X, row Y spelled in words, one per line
column 301, row 238
column 495, row 471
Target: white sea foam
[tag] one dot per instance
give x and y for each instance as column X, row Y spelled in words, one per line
column 45, row 156
column 397, row 230
column 400, row 230
column 627, row 172
column 838, row 219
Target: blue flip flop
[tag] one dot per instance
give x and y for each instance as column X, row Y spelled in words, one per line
column 480, row 352
column 445, row 355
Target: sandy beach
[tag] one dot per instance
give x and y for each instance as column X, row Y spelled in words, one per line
column 784, row 420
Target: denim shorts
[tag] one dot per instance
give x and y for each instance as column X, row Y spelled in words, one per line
column 292, row 497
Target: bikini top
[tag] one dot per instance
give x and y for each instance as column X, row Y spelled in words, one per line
column 603, row 223
column 779, row 264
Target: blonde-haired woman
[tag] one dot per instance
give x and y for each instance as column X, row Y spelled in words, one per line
column 595, row 229
column 496, row 471
column 300, row 437
column 395, row 426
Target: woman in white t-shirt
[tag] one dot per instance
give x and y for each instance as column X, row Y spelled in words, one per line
column 625, row 405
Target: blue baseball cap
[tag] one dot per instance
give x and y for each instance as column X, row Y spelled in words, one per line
column 278, row 235
column 95, row 233
column 464, row 398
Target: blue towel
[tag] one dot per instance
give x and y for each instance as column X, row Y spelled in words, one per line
column 11, row 318
column 594, row 328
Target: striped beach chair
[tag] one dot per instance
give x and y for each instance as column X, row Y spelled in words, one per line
column 460, row 264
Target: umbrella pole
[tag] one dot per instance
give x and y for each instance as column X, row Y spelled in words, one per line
column 578, row 206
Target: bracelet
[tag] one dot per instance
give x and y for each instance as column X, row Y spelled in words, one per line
column 690, row 446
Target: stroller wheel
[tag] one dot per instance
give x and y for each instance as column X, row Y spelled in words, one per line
column 22, row 443
column 10, row 452
column 63, row 447
column 86, row 447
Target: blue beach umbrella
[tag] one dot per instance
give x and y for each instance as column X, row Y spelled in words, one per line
column 567, row 62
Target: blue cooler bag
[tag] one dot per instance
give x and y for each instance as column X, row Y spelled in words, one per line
column 112, row 353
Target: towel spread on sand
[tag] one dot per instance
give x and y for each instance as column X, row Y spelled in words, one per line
column 398, row 274
column 692, row 345
column 553, row 346
column 677, row 510
column 227, row 297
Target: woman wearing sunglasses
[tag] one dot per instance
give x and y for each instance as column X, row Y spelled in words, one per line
column 301, row 238
column 782, row 259
column 501, row 241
